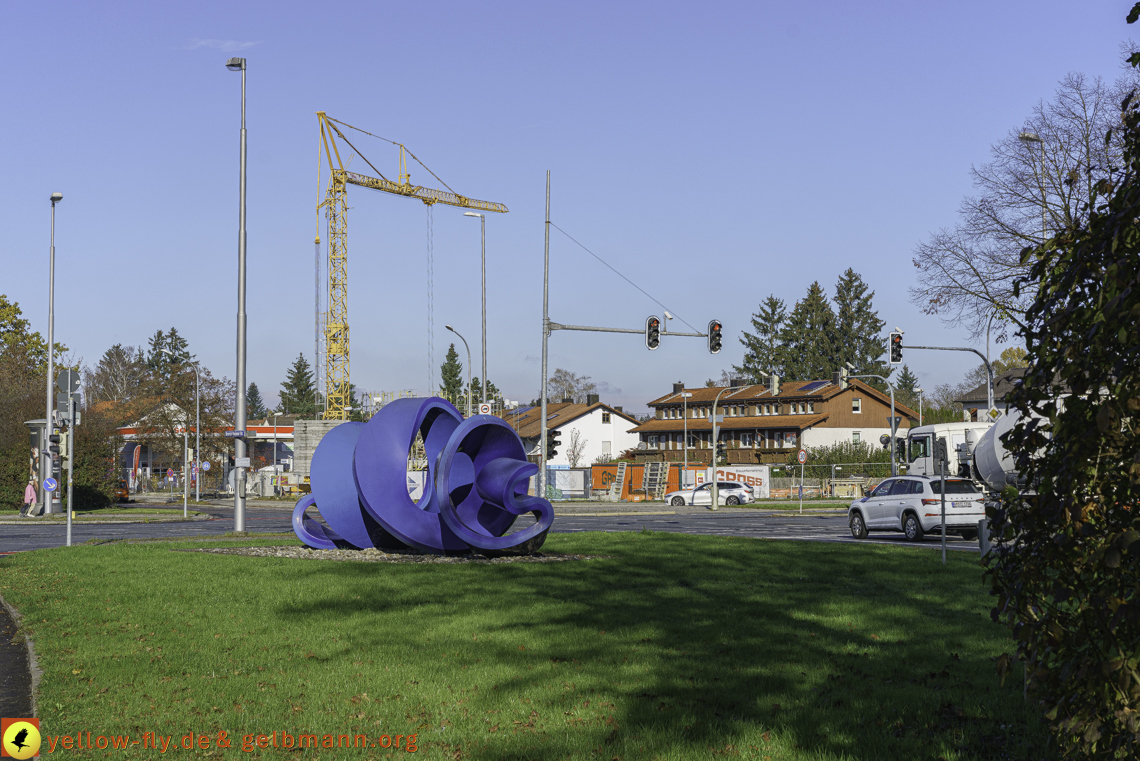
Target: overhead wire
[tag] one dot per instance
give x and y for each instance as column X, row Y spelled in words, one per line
column 623, row 277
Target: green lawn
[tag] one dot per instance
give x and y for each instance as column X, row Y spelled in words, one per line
column 673, row 647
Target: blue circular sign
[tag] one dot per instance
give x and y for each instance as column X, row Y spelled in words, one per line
column 206, row 466
column 50, row 484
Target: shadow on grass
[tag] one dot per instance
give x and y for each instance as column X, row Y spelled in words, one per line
column 691, row 646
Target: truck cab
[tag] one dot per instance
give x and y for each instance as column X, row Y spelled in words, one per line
column 961, row 438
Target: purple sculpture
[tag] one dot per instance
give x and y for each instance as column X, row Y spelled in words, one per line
column 475, row 485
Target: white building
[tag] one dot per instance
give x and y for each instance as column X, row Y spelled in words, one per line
column 596, row 431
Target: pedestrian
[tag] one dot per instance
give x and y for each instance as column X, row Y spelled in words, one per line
column 29, row 499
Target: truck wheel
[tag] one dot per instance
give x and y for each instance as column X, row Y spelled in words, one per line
column 858, row 528
column 912, row 527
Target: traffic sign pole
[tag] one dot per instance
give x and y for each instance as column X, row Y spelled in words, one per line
column 70, row 462
column 802, row 457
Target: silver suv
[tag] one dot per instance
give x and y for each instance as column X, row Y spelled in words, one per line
column 913, row 505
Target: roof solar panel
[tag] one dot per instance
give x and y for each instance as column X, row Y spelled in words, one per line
column 812, row 386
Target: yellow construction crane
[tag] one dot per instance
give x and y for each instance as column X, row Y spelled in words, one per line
column 337, row 387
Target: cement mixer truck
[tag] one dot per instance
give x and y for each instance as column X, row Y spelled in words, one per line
column 975, row 451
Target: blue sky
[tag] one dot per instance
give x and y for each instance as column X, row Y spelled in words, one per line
column 715, row 153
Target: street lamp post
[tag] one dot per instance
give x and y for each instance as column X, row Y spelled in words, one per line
column 919, row 392
column 274, row 453
column 464, row 340
column 238, row 64
column 685, row 395
column 46, row 462
column 1028, row 137
column 483, row 236
column 715, row 491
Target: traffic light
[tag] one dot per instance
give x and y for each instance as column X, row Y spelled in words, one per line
column 714, row 336
column 894, row 343
column 551, row 444
column 721, row 454
column 652, row 332
column 54, row 443
column 839, row 377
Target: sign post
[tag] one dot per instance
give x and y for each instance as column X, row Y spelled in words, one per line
column 802, row 457
column 943, row 456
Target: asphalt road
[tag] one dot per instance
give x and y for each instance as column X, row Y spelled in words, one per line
column 830, row 526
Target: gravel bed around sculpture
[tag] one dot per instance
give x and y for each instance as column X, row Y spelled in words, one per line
column 373, row 555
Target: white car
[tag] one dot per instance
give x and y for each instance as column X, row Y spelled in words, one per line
column 913, row 505
column 730, row 493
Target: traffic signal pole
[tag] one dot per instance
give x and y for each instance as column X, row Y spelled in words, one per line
column 985, row 362
column 548, row 326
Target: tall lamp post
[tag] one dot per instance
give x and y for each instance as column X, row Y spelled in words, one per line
column 715, row 491
column 464, row 340
column 238, row 64
column 1028, row 137
column 46, row 466
column 483, row 236
column 919, row 392
column 685, row 396
column 197, row 428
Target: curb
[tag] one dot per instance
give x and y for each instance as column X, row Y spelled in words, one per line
column 34, row 671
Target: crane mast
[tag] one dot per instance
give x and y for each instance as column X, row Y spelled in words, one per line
column 338, row 389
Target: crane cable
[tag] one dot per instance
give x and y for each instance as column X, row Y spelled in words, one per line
column 430, row 303
column 386, row 140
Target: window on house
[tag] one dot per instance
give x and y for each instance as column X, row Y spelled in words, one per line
column 856, row 437
column 767, row 409
column 692, row 441
column 811, row 407
column 605, row 418
column 652, row 442
column 856, row 406
column 746, row 439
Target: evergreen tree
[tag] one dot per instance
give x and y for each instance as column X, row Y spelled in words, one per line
column 858, row 329
column 764, row 350
column 808, row 336
column 298, row 396
column 493, row 393
column 254, row 405
column 906, row 382
column 451, row 373
column 158, row 362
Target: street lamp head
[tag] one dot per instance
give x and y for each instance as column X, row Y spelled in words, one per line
column 918, row 391
column 471, row 214
column 56, row 197
column 236, row 64
column 1029, row 137
column 449, row 328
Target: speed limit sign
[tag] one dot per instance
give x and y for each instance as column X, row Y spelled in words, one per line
column 802, row 456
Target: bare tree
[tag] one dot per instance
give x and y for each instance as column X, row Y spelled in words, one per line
column 1039, row 181
column 117, row 377
column 576, row 446
column 565, row 384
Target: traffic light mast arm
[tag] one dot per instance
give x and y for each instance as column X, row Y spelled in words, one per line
column 639, row 331
column 989, row 367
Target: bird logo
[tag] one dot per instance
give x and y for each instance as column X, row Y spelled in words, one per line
column 21, row 738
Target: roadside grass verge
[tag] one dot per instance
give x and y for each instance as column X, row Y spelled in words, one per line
column 672, row 647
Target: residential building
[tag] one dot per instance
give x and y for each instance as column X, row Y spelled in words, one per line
column 975, row 401
column 764, row 423
column 603, row 432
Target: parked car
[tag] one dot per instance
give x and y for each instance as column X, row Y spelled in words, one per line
column 913, row 505
column 122, row 493
column 731, row 493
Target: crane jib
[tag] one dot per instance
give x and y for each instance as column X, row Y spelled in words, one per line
column 427, row 195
